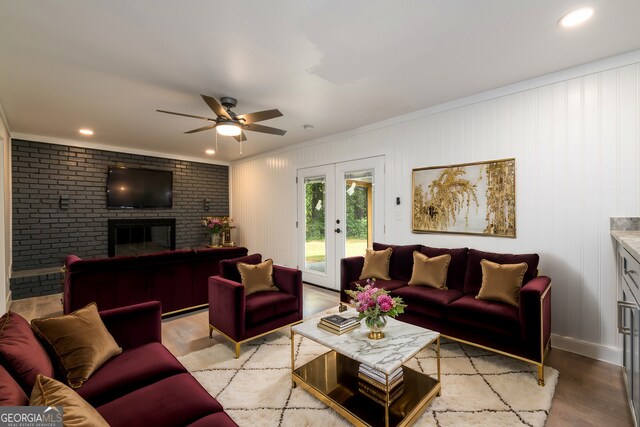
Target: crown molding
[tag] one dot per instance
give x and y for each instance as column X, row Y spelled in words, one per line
column 113, row 148
column 582, row 70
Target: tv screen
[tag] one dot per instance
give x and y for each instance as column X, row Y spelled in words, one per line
column 139, row 188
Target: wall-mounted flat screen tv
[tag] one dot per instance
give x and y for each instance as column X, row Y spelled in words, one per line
column 139, row 188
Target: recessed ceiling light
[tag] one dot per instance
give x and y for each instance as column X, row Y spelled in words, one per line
column 87, row 132
column 210, row 151
column 576, row 17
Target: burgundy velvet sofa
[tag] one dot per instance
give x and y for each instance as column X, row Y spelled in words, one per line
column 242, row 318
column 178, row 279
column 144, row 385
column 521, row 332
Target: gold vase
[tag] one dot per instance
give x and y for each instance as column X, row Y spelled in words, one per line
column 376, row 325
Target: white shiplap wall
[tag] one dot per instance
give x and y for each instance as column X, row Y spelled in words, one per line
column 576, row 147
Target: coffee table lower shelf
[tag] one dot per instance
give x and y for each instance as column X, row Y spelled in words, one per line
column 333, row 379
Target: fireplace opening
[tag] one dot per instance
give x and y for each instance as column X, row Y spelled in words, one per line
column 130, row 237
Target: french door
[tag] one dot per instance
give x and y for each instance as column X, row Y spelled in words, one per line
column 340, row 213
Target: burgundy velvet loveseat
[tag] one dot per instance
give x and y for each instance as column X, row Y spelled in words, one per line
column 521, row 332
column 144, row 385
column 178, row 279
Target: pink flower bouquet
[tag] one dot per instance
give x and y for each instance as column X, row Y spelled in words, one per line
column 373, row 304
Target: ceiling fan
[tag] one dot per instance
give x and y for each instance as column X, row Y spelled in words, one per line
column 231, row 124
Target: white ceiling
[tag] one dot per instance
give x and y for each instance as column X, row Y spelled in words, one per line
column 336, row 64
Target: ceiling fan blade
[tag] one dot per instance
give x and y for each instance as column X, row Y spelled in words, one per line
column 240, row 137
column 186, row 115
column 216, row 107
column 202, row 128
column 259, row 116
column 264, row 129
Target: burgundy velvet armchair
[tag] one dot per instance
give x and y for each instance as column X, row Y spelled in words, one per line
column 241, row 318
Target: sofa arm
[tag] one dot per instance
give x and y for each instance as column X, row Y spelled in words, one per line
column 66, row 292
column 227, row 307
column 350, row 270
column 535, row 315
column 289, row 280
column 134, row 325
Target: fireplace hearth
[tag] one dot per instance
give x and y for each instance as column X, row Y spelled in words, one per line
column 130, row 237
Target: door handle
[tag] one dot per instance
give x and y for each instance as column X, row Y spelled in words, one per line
column 337, row 230
column 621, row 306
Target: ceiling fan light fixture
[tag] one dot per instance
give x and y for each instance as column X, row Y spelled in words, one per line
column 228, row 129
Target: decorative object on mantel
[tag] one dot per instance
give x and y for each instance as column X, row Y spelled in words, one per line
column 218, row 228
column 468, row 198
column 373, row 305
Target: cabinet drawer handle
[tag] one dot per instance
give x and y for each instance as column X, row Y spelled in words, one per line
column 621, row 306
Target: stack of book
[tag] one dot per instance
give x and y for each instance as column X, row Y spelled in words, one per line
column 373, row 384
column 338, row 324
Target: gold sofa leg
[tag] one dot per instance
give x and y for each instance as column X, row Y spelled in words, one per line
column 541, row 375
column 210, row 331
column 237, row 350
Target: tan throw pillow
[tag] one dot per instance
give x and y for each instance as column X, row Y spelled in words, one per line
column 502, row 282
column 76, row 411
column 80, row 340
column 430, row 271
column 257, row 277
column 376, row 264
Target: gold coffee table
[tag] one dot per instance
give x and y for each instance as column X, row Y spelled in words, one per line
column 333, row 376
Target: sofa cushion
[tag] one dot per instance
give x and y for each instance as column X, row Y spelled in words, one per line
column 11, row 394
column 501, row 282
column 430, row 271
column 376, row 264
column 80, row 340
column 490, row 316
column 473, row 277
column 77, row 412
column 133, row 369
column 262, row 306
column 229, row 267
column 21, row 353
column 457, row 266
column 427, row 301
column 257, row 277
column 401, row 262
column 219, row 419
column 174, row 401
column 387, row 285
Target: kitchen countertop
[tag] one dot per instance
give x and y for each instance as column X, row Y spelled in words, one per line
column 630, row 240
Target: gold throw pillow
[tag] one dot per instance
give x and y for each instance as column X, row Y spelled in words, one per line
column 502, row 282
column 376, row 264
column 80, row 340
column 257, row 277
column 76, row 411
column 430, row 271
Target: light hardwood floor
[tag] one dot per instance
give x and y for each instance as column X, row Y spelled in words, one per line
column 589, row 392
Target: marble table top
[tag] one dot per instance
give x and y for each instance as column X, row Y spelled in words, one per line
column 630, row 240
column 402, row 341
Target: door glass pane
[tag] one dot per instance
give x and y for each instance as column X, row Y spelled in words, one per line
column 315, row 254
column 359, row 210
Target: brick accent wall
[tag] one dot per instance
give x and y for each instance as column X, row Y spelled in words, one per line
column 44, row 232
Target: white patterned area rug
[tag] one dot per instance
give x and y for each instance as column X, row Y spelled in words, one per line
column 479, row 388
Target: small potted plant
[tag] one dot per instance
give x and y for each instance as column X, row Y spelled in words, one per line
column 215, row 226
column 374, row 305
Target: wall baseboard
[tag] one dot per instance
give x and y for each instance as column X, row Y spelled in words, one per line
column 603, row 353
